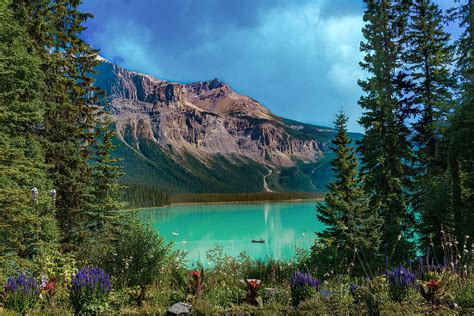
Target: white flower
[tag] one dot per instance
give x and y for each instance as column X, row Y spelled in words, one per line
column 399, row 237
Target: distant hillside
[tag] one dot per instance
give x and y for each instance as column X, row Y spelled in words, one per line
column 203, row 137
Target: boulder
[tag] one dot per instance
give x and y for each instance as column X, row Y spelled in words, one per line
column 180, row 309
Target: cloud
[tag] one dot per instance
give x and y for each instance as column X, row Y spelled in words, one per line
column 299, row 58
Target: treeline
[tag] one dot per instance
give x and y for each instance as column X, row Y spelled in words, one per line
column 416, row 179
column 244, row 197
column 136, row 196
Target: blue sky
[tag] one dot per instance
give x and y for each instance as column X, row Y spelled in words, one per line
column 298, row 58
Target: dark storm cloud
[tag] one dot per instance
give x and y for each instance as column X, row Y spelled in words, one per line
column 299, row 58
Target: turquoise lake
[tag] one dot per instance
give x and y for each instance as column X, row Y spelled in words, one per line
column 196, row 229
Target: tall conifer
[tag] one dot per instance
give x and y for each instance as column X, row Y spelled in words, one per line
column 461, row 131
column 350, row 225
column 385, row 148
column 71, row 117
column 429, row 57
column 27, row 220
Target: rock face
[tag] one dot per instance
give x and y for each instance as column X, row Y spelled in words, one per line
column 202, row 119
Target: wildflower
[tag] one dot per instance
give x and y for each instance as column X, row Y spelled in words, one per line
column 300, row 279
column 432, row 283
column 43, row 281
column 253, row 283
column 49, row 286
column 399, row 237
column 401, row 277
column 34, row 193
column 91, row 278
column 195, row 275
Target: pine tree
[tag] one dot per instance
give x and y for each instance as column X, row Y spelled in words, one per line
column 71, row 118
column 429, row 57
column 27, row 223
column 350, row 223
column 385, row 148
column 461, row 131
column 106, row 173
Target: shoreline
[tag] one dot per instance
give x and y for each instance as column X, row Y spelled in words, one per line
column 242, row 202
column 225, row 202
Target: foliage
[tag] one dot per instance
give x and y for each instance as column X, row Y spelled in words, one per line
column 196, row 285
column 334, row 298
column 253, row 287
column 137, row 256
column 429, row 57
column 303, row 287
column 89, row 291
column 400, row 281
column 433, row 287
column 26, row 221
column 136, row 195
column 385, row 148
column 460, row 132
column 464, row 293
column 350, row 223
column 21, row 293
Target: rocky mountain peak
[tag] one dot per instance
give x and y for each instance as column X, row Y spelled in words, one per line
column 201, row 118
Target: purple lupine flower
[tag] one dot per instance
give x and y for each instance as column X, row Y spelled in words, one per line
column 23, row 285
column 401, row 277
column 301, row 279
column 93, row 279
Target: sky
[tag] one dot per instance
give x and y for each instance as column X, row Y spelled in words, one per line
column 298, row 58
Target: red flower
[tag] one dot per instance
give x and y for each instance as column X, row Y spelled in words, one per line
column 254, row 283
column 432, row 283
column 49, row 286
column 196, row 274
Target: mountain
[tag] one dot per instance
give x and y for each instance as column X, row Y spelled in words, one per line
column 203, row 137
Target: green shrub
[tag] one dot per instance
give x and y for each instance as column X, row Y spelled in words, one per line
column 373, row 294
column 464, row 294
column 277, row 295
column 138, row 257
column 89, row 292
column 303, row 287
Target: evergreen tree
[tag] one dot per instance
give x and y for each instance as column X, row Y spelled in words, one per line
column 106, row 172
column 384, row 148
column 461, row 131
column 27, row 221
column 350, row 223
column 428, row 57
column 71, row 117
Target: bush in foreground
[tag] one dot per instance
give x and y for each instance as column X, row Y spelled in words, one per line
column 89, row 292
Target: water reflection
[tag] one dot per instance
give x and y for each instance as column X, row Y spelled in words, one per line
column 283, row 226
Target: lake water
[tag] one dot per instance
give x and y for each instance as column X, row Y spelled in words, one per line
column 198, row 228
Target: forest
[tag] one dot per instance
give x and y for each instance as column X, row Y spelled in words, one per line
column 399, row 213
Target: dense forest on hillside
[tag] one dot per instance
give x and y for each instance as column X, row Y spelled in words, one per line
column 398, row 215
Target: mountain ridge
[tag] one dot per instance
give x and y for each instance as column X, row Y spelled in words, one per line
column 205, row 131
